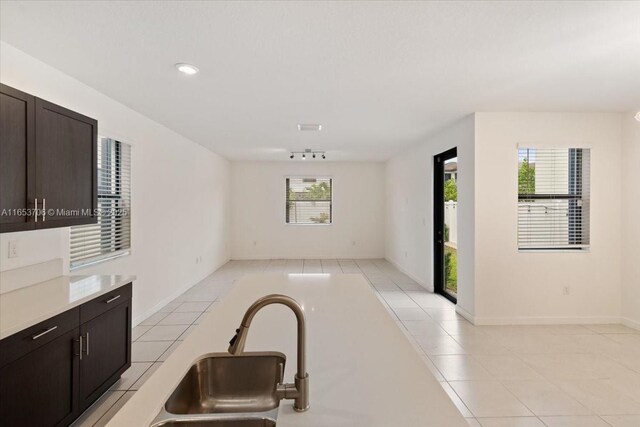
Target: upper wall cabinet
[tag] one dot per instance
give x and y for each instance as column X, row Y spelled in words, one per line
column 48, row 164
column 17, row 151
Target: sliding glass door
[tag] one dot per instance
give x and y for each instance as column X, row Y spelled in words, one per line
column 446, row 224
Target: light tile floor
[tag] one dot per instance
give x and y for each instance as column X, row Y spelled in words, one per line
column 497, row 376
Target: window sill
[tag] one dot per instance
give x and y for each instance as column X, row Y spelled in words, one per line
column 562, row 251
column 307, row 225
column 90, row 263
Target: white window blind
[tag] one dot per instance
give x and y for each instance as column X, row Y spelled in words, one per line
column 111, row 235
column 308, row 201
column 553, row 198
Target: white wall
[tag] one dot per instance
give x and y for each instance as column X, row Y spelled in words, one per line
column 258, row 211
column 630, row 220
column 524, row 287
column 180, row 193
column 409, row 201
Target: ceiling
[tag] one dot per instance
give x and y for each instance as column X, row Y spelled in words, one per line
column 379, row 76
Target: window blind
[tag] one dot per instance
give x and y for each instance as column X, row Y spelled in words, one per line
column 111, row 235
column 553, row 198
column 309, row 201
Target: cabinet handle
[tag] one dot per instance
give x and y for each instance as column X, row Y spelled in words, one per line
column 36, row 210
column 44, row 208
column 110, row 300
column 36, row 336
column 87, row 344
column 80, row 352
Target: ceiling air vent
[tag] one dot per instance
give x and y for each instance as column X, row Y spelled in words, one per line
column 309, row 127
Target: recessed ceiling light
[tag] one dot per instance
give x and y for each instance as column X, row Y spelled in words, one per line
column 187, row 69
column 637, row 116
column 309, row 126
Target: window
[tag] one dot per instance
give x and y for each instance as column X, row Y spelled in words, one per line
column 111, row 235
column 308, row 201
column 553, row 198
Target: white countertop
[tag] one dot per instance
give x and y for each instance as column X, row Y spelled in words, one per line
column 27, row 306
column 362, row 369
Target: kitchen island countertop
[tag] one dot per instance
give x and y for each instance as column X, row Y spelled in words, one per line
column 362, row 369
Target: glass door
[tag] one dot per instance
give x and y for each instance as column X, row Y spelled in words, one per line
column 446, row 224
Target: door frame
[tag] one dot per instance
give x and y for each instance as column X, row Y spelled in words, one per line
column 438, row 222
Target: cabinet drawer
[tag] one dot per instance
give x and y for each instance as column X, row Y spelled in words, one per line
column 96, row 307
column 23, row 342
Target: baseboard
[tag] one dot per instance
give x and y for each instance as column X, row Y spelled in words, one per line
column 464, row 313
column 403, row 271
column 141, row 317
column 300, row 257
column 631, row 323
column 571, row 320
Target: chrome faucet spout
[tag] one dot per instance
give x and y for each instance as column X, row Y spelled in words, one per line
column 299, row 390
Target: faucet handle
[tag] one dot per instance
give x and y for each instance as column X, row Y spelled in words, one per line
column 235, row 337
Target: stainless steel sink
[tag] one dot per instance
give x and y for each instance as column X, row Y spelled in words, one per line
column 224, row 390
column 239, row 389
column 264, row 422
column 222, row 383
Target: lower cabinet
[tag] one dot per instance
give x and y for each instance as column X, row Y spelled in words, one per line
column 40, row 389
column 106, row 352
column 51, row 372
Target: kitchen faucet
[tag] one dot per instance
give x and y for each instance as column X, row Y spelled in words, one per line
column 299, row 390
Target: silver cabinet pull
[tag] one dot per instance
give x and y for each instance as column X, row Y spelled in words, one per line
column 36, row 336
column 36, row 210
column 80, row 352
column 87, row 344
column 44, row 208
column 110, row 300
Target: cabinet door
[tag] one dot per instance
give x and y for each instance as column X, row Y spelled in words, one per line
column 40, row 388
column 107, row 351
column 17, row 159
column 66, row 166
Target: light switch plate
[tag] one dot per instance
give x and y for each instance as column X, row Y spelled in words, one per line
column 13, row 249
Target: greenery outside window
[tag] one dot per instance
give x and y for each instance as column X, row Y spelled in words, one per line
column 309, row 201
column 553, row 198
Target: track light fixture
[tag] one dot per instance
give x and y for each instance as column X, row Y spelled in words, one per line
column 308, row 152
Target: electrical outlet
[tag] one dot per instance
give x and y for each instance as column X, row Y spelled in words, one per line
column 566, row 290
column 13, row 249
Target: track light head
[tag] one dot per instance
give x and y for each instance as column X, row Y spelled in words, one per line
column 312, row 154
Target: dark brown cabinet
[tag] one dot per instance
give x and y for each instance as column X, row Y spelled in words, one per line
column 48, row 163
column 51, row 372
column 106, row 351
column 40, row 389
column 17, row 149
